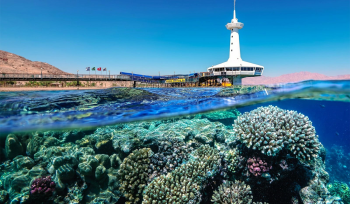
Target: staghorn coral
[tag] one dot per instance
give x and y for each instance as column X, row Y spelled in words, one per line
column 270, row 129
column 183, row 185
column 233, row 192
column 133, row 174
column 257, row 166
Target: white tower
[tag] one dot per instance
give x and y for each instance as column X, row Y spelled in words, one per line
column 234, row 26
column 235, row 68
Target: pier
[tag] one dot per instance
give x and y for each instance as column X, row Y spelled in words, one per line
column 201, row 79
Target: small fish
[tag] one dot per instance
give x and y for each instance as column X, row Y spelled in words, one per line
column 337, row 133
column 322, row 106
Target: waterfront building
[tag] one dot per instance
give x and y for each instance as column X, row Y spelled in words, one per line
column 234, row 69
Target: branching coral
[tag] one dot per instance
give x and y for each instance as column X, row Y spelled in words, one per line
column 270, row 129
column 232, row 159
column 257, row 166
column 133, row 174
column 183, row 185
column 233, row 192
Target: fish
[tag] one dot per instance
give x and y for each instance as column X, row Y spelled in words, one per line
column 337, row 133
column 322, row 106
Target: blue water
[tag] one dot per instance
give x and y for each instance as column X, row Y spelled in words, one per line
column 86, row 142
column 330, row 118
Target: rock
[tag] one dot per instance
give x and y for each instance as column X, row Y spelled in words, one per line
column 13, row 147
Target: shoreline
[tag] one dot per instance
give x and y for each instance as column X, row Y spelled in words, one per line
column 15, row 89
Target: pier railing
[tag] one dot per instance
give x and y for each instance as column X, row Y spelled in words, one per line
column 61, row 77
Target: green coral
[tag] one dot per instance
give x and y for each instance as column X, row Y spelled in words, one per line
column 340, row 189
column 270, row 129
column 133, row 174
column 183, row 185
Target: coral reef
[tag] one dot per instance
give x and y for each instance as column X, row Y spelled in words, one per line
column 316, row 191
column 42, row 185
column 239, row 90
column 171, row 153
column 270, row 155
column 16, row 178
column 124, row 138
column 220, row 116
column 270, row 129
column 133, row 174
column 257, row 166
column 340, row 189
column 13, row 146
column 183, row 185
column 233, row 192
column 232, row 159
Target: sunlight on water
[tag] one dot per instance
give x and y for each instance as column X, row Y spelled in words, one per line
column 273, row 144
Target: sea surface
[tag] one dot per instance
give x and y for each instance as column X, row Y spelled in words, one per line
column 285, row 143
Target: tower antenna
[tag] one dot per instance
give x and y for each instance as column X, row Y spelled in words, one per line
column 234, row 9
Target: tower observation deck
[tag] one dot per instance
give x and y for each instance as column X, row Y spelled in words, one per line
column 235, row 68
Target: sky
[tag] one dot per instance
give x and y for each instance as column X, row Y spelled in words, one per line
column 181, row 36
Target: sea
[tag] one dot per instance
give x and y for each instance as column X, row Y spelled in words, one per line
column 285, row 143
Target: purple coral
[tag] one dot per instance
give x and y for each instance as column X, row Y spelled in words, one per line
column 257, row 166
column 42, row 185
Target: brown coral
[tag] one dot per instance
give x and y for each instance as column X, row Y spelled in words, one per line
column 133, row 174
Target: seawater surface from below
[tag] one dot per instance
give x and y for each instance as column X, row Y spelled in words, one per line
column 22, row 111
column 252, row 144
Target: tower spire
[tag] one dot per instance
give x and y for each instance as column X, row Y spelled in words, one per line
column 234, row 9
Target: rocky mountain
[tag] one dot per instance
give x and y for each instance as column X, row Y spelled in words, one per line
column 12, row 63
column 289, row 78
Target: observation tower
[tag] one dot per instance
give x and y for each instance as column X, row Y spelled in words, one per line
column 235, row 68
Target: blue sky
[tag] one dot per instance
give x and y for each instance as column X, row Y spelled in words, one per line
column 146, row 37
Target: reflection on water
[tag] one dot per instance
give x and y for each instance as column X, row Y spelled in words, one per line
column 286, row 144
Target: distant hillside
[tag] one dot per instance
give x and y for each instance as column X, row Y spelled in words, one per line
column 12, row 63
column 289, row 78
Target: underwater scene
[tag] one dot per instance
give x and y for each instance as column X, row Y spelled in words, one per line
column 286, row 144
